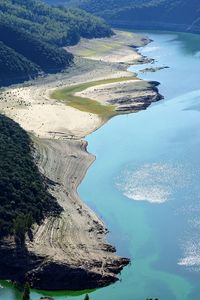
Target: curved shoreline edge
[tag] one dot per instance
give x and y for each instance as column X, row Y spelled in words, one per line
column 71, row 252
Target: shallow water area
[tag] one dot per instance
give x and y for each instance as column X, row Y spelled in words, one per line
column 145, row 182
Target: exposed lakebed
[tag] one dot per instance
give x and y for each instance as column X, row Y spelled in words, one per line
column 145, row 182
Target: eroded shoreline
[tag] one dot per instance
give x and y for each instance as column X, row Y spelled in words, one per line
column 71, row 251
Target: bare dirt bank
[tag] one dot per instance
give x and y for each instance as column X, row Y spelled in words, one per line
column 31, row 106
column 71, row 252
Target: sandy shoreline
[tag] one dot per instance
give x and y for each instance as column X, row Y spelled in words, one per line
column 30, row 104
column 74, row 245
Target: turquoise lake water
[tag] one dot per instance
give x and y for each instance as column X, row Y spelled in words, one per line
column 145, row 183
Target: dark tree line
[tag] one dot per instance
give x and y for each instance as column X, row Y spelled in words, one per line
column 48, row 57
column 14, row 67
column 24, row 198
column 183, row 15
column 32, row 34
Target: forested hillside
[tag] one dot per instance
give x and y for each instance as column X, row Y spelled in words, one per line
column 183, row 15
column 98, row 6
column 23, row 192
column 15, row 66
column 36, row 32
column 46, row 56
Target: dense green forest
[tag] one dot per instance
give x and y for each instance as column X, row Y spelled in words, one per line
column 37, row 31
column 183, row 15
column 100, row 6
column 16, row 66
column 46, row 56
column 24, row 197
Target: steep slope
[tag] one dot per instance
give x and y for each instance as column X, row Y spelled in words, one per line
column 180, row 15
column 48, row 57
column 97, row 6
column 14, row 67
column 52, row 244
column 36, row 31
column 24, row 197
column 54, row 25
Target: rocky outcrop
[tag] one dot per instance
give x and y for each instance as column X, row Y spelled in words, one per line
column 22, row 266
column 136, row 100
column 153, row 69
column 127, row 96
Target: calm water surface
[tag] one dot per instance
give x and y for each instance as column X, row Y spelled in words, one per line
column 145, row 182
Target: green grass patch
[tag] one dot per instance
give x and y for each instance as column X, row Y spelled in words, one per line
column 86, row 52
column 85, row 104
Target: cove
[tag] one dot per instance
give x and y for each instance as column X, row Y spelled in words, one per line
column 145, row 182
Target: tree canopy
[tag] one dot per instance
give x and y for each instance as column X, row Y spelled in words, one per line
column 182, row 15
column 33, row 32
column 24, row 196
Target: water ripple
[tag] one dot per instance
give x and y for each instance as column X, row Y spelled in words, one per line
column 154, row 182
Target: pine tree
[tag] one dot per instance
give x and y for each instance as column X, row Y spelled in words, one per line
column 86, row 297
